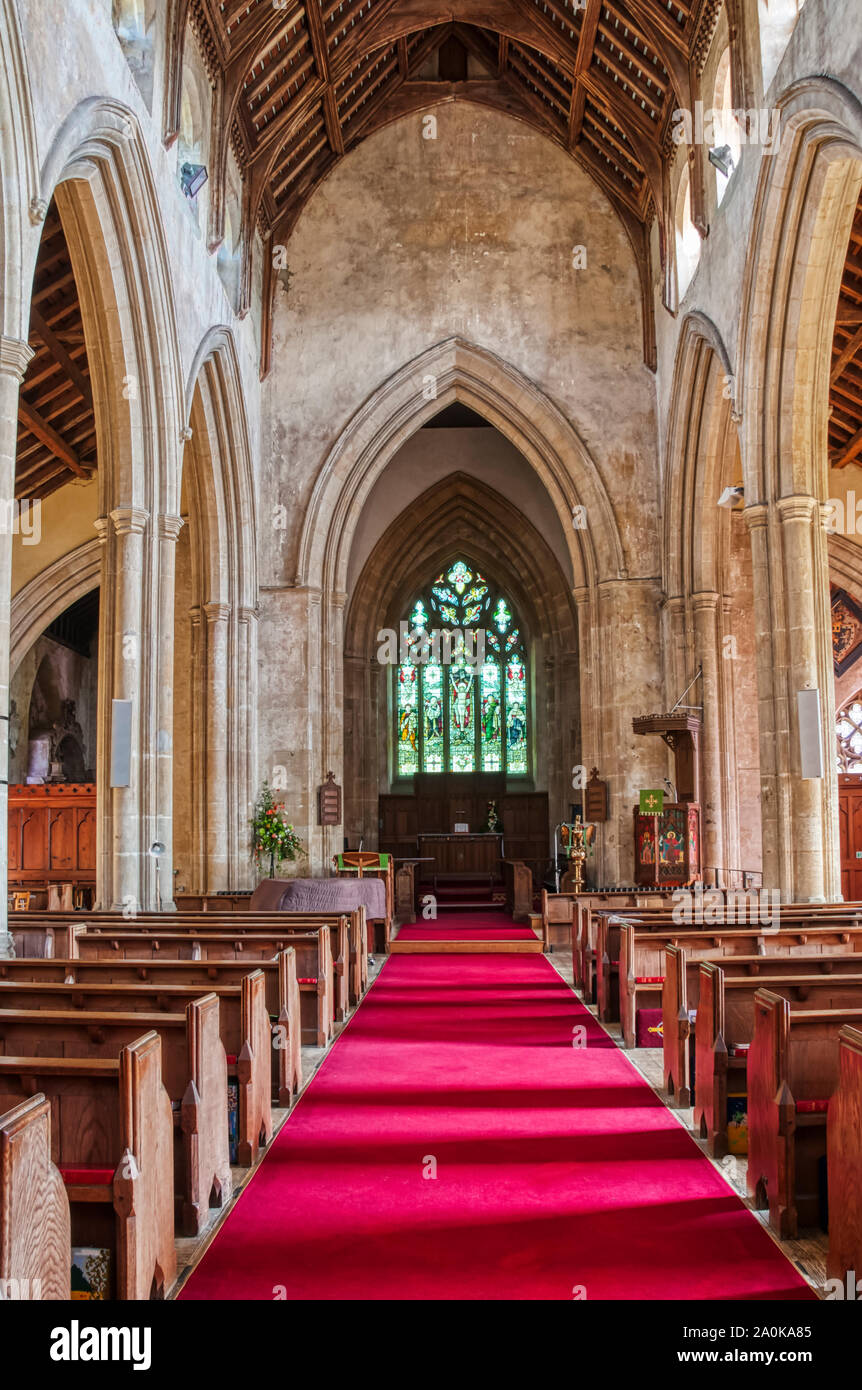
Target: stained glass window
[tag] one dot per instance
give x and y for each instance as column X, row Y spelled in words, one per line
column 461, row 702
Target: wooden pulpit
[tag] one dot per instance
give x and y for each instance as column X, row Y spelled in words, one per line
column 668, row 842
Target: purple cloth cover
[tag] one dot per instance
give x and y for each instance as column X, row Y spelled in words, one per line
column 321, row 895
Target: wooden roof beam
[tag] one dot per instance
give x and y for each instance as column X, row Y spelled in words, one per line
column 32, row 420
column 61, row 356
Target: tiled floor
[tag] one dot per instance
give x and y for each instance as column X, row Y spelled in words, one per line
column 809, row 1252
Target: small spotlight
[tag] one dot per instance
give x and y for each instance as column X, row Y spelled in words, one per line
column 722, row 158
column 732, row 497
column 194, row 176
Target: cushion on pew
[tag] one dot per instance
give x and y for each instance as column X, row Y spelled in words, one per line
column 649, row 979
column 78, row 1175
column 812, row 1107
column 306, row 980
column 738, row 1049
column 231, row 1059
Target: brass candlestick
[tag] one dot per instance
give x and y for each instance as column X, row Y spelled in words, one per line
column 577, row 854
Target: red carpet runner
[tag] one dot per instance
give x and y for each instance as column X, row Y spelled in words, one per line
column 489, row 925
column 557, row 1168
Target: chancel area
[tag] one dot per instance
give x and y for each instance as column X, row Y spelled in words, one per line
column 431, row 651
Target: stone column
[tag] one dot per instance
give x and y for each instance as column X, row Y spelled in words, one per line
column 628, row 657
column 219, row 789
column 246, row 740
column 168, row 533
column 809, row 830
column 705, row 608
column 793, row 653
column 128, row 850
column 14, row 357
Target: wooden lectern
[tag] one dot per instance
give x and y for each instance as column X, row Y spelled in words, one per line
column 667, row 842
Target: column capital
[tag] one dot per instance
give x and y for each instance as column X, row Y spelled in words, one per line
column 170, row 527
column 756, row 516
column 801, row 507
column 15, row 357
column 195, row 615
column 130, row 520
column 102, row 526
column 217, row 612
column 705, row 602
column 247, row 613
column 186, row 433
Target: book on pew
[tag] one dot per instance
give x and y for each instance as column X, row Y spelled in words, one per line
column 233, row 1119
column 737, row 1123
column 92, row 1273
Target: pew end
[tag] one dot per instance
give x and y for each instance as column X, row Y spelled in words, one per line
column 35, row 1222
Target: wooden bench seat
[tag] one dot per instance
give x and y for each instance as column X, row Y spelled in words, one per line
column 793, row 1058
column 585, row 949
column 47, row 934
column 116, row 1114
column 313, row 956
column 725, row 1022
column 194, row 1073
column 642, row 955
column 282, row 992
column 244, row 1028
column 681, row 995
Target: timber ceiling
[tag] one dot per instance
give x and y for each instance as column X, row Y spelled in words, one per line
column 304, row 82
column 845, row 390
column 299, row 83
column 56, row 422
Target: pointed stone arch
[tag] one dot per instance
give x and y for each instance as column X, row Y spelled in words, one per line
column 459, row 515
column 455, row 370
column 706, row 552
column 216, row 626
column 49, row 594
column 615, row 612
column 800, row 226
column 98, row 170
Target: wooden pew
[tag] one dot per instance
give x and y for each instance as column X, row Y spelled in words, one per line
column 642, row 955
column 559, row 912
column 282, row 993
column 35, row 1238
column 112, row 1138
column 313, row 955
column 194, row 1074
column 586, row 956
column 844, row 1160
column 792, row 1072
column 48, row 934
column 244, row 1027
column 726, row 1016
column 518, row 885
column 680, row 996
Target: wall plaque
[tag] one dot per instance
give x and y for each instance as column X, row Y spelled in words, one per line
column 595, row 798
column 329, row 802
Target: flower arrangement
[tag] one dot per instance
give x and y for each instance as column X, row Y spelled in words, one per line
column 271, row 834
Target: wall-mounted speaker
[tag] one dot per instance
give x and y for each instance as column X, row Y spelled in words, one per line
column 121, row 743
column 810, row 733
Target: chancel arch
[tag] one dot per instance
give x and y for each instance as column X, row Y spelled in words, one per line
column 459, row 519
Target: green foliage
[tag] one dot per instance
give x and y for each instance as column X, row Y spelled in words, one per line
column 272, row 835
